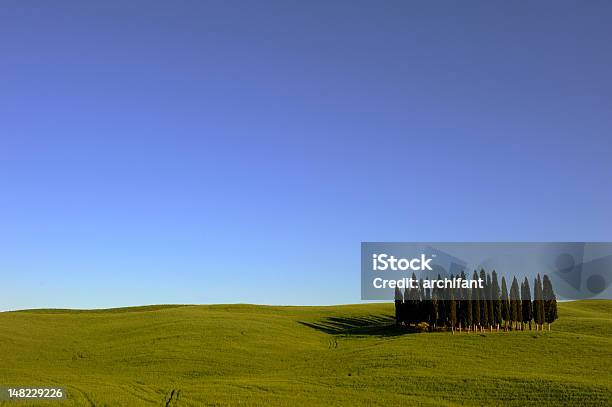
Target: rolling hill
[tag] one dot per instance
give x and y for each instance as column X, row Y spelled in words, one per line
column 339, row 355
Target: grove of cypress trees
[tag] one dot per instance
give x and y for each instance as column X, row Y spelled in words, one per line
column 550, row 302
column 474, row 308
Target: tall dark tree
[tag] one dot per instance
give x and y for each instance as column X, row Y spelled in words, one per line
column 469, row 318
column 538, row 303
column 435, row 303
column 413, row 301
column 534, row 305
column 442, row 305
column 484, row 304
column 522, row 286
column 452, row 310
column 420, row 298
column 491, row 311
column 521, row 304
column 505, row 303
column 399, row 298
column 495, row 295
column 406, row 306
column 526, row 303
column 462, row 304
column 514, row 303
column 448, row 294
column 550, row 302
column 475, row 304
column 427, row 306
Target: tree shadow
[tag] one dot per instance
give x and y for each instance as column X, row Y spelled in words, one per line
column 372, row 325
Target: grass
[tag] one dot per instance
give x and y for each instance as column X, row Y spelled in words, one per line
column 340, row 355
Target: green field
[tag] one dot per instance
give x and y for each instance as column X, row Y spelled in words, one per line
column 339, row 355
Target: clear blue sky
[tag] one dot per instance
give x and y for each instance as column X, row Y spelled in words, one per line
column 206, row 152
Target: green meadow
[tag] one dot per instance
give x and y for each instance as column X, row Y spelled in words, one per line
column 265, row 355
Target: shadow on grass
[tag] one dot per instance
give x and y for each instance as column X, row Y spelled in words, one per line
column 359, row 326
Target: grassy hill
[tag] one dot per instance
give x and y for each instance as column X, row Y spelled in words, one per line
column 343, row 355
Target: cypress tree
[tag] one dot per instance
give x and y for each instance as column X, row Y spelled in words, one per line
column 405, row 306
column 420, row 298
column 484, row 304
column 414, row 303
column 427, row 305
column 452, row 311
column 534, row 305
column 398, row 305
column 408, row 305
column 491, row 311
column 542, row 313
column 497, row 305
column 434, row 307
column 441, row 305
column 462, row 304
column 448, row 294
column 521, row 304
column 475, row 303
column 514, row 303
column 433, row 310
column 539, row 302
column 526, row 301
column 469, row 320
column 550, row 302
column 505, row 303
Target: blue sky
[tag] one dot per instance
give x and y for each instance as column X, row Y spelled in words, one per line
column 221, row 152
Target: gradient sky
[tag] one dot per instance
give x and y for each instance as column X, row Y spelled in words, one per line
column 238, row 151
